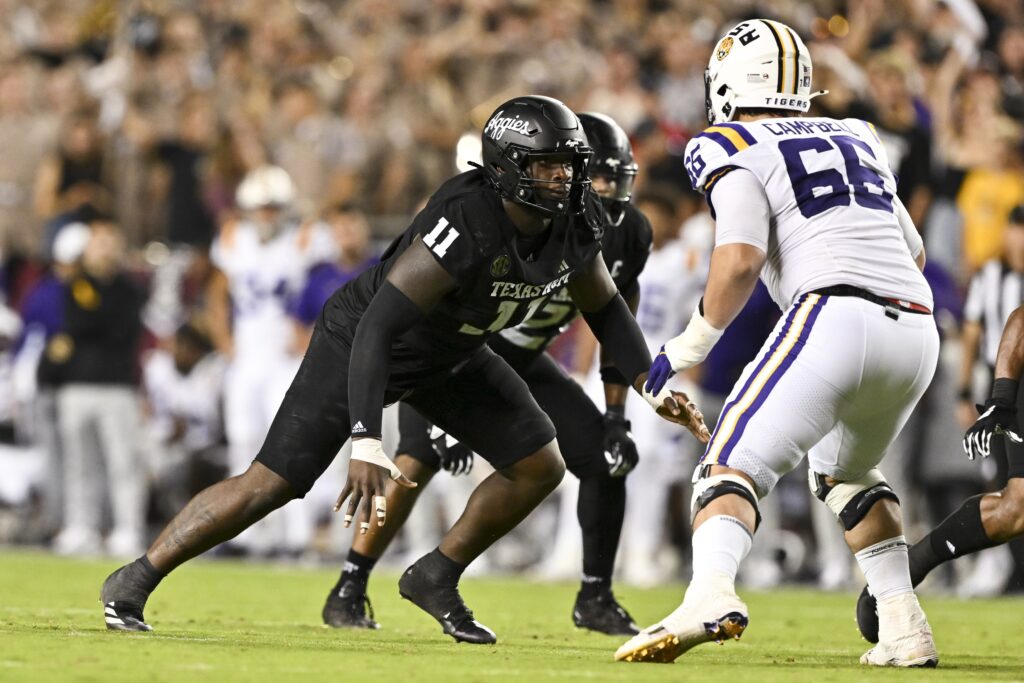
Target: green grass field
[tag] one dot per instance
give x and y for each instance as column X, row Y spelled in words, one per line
column 227, row 621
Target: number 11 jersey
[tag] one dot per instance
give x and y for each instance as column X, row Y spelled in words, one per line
column 467, row 231
column 834, row 214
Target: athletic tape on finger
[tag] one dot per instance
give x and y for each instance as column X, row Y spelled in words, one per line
column 380, row 504
column 656, row 400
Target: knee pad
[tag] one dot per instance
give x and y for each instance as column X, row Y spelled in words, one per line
column 851, row 500
column 706, row 489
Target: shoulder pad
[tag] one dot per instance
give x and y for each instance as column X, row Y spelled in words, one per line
column 709, row 155
column 869, row 133
column 640, row 227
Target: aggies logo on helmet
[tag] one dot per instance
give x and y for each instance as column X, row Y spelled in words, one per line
column 499, row 124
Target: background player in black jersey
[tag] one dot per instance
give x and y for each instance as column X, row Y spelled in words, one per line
column 989, row 519
column 597, row 449
column 491, row 246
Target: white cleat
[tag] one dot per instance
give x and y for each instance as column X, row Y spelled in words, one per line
column 904, row 636
column 717, row 615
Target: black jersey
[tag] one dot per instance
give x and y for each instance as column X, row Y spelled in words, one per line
column 465, row 227
column 625, row 248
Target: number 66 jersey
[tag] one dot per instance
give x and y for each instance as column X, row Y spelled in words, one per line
column 834, row 218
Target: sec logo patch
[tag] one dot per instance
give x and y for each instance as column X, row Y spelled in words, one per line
column 501, row 265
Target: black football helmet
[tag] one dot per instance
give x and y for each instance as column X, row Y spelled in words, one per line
column 533, row 128
column 612, row 160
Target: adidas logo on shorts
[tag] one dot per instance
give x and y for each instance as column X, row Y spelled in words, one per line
column 358, row 428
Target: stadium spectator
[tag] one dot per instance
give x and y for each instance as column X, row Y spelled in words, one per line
column 26, row 139
column 72, row 183
column 37, row 375
column 97, row 402
column 317, row 149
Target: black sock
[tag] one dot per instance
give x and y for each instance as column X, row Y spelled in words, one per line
column 357, row 569
column 962, row 533
column 136, row 581
column 600, row 508
column 440, row 568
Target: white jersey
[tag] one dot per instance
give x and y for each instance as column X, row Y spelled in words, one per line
column 264, row 278
column 834, row 218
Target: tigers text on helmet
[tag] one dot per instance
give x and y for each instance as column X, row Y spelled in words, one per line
column 759, row 64
column 612, row 159
column 529, row 129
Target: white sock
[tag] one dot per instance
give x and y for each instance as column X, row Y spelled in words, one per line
column 886, row 567
column 719, row 545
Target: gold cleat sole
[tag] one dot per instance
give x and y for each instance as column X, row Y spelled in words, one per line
column 669, row 647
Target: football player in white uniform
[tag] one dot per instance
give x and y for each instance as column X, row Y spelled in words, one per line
column 810, row 205
column 263, row 262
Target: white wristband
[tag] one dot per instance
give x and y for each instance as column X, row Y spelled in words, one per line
column 694, row 344
column 656, row 400
column 370, row 450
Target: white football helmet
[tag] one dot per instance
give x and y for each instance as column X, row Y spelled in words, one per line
column 265, row 186
column 759, row 64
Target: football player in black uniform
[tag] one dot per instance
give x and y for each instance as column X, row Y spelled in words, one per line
column 598, row 449
column 491, row 246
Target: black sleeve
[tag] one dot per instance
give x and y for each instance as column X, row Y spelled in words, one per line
column 639, row 250
column 620, row 336
column 389, row 314
column 445, row 229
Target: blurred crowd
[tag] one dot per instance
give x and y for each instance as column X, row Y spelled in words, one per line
column 184, row 182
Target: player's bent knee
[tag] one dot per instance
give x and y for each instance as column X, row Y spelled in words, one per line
column 852, row 500
column 1010, row 508
column 544, row 468
column 268, row 488
column 707, row 489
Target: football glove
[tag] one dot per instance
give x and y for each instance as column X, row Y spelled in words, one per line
column 684, row 351
column 661, row 372
column 996, row 418
column 456, row 458
column 619, row 449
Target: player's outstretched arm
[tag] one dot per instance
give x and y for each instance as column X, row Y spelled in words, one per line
column 735, row 269
column 415, row 284
column 608, row 316
column 741, row 238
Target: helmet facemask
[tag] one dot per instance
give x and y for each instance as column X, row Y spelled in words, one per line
column 550, row 197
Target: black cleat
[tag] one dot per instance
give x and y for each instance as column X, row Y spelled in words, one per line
column 602, row 613
column 120, row 614
column 346, row 607
column 444, row 604
column 867, row 616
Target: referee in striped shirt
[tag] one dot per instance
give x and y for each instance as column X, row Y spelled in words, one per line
column 995, row 291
